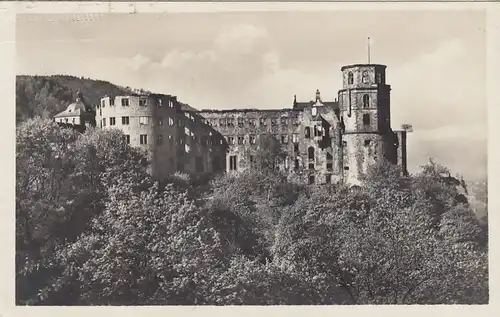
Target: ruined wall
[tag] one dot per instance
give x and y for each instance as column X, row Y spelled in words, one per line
column 243, row 130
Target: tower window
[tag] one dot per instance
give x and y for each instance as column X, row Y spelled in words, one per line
column 350, row 78
column 307, row 132
column 314, row 111
column 379, row 78
column 366, row 77
column 127, row 138
column 310, row 153
column 366, row 119
column 366, row 101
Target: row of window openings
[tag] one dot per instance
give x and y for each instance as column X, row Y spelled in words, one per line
column 365, row 78
column 125, row 102
column 142, row 121
column 318, row 131
column 241, row 122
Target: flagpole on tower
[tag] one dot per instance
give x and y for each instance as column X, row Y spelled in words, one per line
column 368, row 50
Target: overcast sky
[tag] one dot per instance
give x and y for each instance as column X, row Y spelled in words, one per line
column 435, row 64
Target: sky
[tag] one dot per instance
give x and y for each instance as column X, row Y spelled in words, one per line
column 436, row 64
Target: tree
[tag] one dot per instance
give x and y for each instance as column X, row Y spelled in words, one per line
column 407, row 127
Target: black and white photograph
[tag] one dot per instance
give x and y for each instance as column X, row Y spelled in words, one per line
column 257, row 157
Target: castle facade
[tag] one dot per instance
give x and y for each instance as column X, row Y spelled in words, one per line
column 323, row 141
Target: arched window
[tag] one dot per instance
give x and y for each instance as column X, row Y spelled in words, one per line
column 366, row 119
column 310, row 153
column 314, row 111
column 366, row 101
column 350, row 78
column 308, row 133
column 366, row 77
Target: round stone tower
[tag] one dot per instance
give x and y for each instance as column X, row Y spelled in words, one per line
column 364, row 103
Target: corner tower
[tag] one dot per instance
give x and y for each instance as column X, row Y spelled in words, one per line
column 364, row 103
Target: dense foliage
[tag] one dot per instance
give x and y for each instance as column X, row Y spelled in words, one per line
column 45, row 96
column 93, row 229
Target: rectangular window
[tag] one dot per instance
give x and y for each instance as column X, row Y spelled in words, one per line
column 251, row 122
column 328, row 178
column 125, row 102
column 252, row 139
column 125, row 120
column 127, row 138
column 144, row 139
column 143, row 102
column 284, row 121
column 241, row 140
column 143, row 120
column 112, row 121
column 103, row 122
column 252, row 160
column 296, row 148
column 230, row 140
column 170, row 104
column 170, row 121
column 367, row 142
column 160, row 103
column 311, row 166
column 159, row 139
column 297, row 164
column 103, row 103
column 111, row 101
column 295, row 138
column 311, row 179
column 262, row 121
column 73, row 120
column 329, row 166
column 160, row 121
column 187, row 148
column 240, row 122
column 273, row 121
column 232, row 163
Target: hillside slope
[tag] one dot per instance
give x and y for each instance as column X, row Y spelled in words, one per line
column 47, row 95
